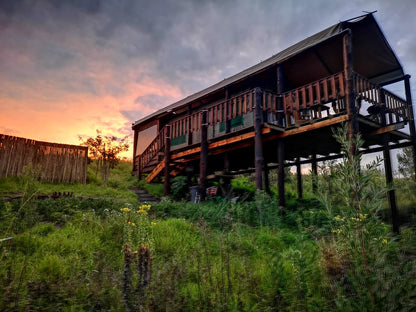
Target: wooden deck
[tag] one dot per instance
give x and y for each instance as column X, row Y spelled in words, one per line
column 303, row 117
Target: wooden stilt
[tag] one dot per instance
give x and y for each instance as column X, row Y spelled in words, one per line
column 395, row 218
column 266, row 179
column 391, row 195
column 166, row 184
column 203, row 163
column 280, row 90
column 281, row 173
column 227, row 112
column 190, row 138
column 350, row 90
column 135, row 165
column 299, row 178
column 314, row 165
column 258, row 143
column 411, row 119
column 227, row 164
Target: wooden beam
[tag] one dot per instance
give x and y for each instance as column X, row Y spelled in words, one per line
column 317, row 125
column 390, row 128
column 155, row 172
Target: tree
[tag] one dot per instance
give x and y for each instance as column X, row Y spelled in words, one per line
column 405, row 159
column 105, row 150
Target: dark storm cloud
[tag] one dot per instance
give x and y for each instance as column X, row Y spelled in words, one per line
column 145, row 54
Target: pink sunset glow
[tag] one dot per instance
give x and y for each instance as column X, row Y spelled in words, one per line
column 68, row 68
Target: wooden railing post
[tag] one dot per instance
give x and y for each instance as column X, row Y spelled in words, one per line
column 203, row 162
column 166, row 184
column 258, row 143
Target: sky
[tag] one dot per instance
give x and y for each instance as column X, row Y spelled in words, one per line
column 69, row 67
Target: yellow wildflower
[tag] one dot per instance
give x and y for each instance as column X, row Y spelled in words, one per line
column 153, row 223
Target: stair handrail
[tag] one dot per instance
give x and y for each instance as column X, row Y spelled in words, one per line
column 156, row 146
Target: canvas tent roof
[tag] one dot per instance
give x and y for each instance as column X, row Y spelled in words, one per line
column 372, row 55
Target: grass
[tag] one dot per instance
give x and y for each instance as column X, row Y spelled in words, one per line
column 70, row 254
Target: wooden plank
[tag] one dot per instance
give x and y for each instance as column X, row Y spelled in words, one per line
column 317, row 125
column 389, row 128
column 155, row 172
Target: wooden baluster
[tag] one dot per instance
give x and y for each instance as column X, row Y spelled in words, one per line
column 325, row 90
column 389, row 101
column 341, row 85
column 308, row 96
column 317, row 97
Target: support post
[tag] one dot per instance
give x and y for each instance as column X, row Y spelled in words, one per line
column 258, row 143
column 203, row 162
column 314, row 165
column 279, row 89
column 266, row 179
column 166, row 184
column 190, row 139
column 227, row 112
column 227, row 164
column 411, row 119
column 350, row 90
column 135, row 166
column 299, row 178
column 391, row 195
column 281, row 173
column 389, row 182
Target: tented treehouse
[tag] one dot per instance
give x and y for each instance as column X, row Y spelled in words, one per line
column 282, row 111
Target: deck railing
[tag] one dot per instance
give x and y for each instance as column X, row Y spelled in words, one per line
column 152, row 150
column 314, row 101
column 310, row 101
column 384, row 103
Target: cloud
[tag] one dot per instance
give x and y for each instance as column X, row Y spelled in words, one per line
column 77, row 65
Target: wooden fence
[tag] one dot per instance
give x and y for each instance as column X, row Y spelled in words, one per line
column 57, row 163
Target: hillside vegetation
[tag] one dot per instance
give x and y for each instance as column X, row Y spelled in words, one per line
column 105, row 251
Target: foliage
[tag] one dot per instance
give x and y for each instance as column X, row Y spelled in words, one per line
column 363, row 257
column 107, row 253
column 179, row 188
column 106, row 150
column 405, row 161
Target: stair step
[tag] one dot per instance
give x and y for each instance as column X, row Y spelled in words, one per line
column 145, row 197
